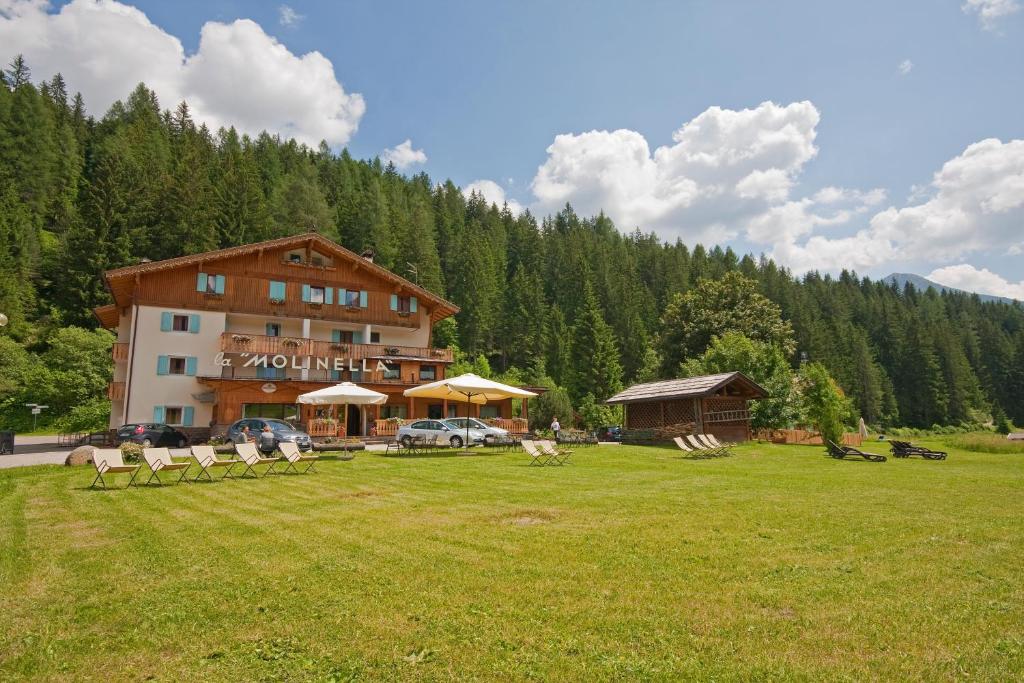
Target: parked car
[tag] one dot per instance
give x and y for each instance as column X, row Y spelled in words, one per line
column 445, row 430
column 609, row 433
column 282, row 431
column 490, row 433
column 148, row 434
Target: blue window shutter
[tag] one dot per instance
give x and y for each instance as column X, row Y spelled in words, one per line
column 357, row 337
column 362, row 298
column 201, row 282
column 335, row 336
column 191, row 365
column 328, row 295
column 412, row 304
column 277, row 290
column 336, row 375
column 187, row 413
column 260, row 373
column 166, row 321
column 342, row 296
column 305, row 293
column 394, row 302
column 158, row 414
column 163, row 365
column 219, row 284
column 193, row 323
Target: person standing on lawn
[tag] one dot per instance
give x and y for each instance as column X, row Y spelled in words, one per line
column 555, row 427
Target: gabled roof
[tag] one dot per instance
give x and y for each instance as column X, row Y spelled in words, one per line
column 108, row 316
column 442, row 306
column 688, row 387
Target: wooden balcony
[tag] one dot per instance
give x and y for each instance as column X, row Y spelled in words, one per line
column 119, row 352
column 115, row 391
column 233, row 342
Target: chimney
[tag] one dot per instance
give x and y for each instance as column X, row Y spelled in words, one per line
column 368, row 254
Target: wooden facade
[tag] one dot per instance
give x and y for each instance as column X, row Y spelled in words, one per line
column 715, row 404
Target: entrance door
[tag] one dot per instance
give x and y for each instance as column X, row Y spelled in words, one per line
column 354, row 419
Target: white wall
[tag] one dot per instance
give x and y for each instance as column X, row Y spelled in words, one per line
column 148, row 389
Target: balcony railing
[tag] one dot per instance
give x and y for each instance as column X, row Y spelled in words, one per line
column 115, row 391
column 234, row 342
column 119, row 352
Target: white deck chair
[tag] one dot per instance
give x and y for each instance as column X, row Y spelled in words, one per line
column 682, row 445
column 294, row 455
column 110, row 461
column 699, row 447
column 712, row 443
column 715, row 442
column 251, row 457
column 561, row 455
column 159, row 460
column 206, row 457
column 538, row 457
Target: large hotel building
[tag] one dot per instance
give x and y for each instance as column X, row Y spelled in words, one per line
column 207, row 339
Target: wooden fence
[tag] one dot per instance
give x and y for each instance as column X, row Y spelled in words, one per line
column 804, row 437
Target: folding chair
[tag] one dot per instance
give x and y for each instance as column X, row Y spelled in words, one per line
column 561, row 455
column 206, row 457
column 109, row 461
column 701, row 448
column 159, row 460
column 251, row 457
column 294, row 455
column 537, row 457
column 717, row 446
column 682, row 445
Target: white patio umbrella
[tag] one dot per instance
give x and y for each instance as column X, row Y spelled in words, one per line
column 468, row 388
column 345, row 394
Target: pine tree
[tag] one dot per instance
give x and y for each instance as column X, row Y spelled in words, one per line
column 596, row 367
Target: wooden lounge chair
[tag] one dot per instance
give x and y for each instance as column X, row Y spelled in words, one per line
column 206, row 457
column 840, row 452
column 537, row 456
column 697, row 445
column 719, row 447
column 720, row 444
column 110, row 461
column 251, row 457
column 294, row 455
column 561, row 455
column 905, row 449
column 159, row 460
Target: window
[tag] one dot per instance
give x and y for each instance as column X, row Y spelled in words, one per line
column 208, row 283
column 316, row 295
column 435, row 411
column 375, row 337
column 489, row 412
column 273, row 329
column 393, row 372
column 428, row 372
column 351, row 297
column 355, row 376
column 270, row 373
column 275, row 411
column 172, row 415
column 341, row 336
column 405, row 305
column 420, row 425
column 317, row 260
column 295, row 258
column 179, row 323
column 453, row 411
column 176, row 366
column 398, row 411
column 277, row 290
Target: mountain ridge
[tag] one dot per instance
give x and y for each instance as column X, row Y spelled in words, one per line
column 922, row 283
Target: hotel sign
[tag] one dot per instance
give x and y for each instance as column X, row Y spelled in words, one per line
column 281, row 362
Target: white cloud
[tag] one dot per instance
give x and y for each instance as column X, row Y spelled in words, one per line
column 493, row 193
column 287, row 16
column 982, row 281
column 724, row 168
column 403, row 156
column 977, row 205
column 990, row 11
column 905, row 67
column 238, row 76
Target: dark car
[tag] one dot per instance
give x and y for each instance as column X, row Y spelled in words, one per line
column 281, row 430
column 148, row 434
column 609, row 433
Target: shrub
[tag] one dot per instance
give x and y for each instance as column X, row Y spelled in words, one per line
column 91, row 416
column 826, row 406
column 131, row 452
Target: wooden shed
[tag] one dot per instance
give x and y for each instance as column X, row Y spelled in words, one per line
column 716, row 404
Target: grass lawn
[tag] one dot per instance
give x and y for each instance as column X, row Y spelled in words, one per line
column 775, row 563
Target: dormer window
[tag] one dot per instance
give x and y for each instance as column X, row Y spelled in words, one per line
column 295, row 258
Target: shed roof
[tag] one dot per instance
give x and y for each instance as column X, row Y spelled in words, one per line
column 687, row 387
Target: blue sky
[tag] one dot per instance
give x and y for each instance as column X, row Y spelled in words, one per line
column 483, row 89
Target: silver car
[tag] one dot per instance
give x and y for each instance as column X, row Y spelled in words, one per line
column 491, row 434
column 444, row 430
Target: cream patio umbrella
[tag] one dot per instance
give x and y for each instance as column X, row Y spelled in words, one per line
column 345, row 394
column 468, row 388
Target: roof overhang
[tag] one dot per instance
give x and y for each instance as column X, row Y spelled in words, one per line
column 753, row 390
column 108, row 316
